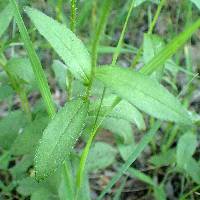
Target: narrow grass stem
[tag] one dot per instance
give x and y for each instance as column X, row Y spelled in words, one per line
column 190, row 192
column 35, row 62
column 119, row 45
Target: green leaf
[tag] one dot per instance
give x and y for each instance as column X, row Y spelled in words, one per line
column 144, row 93
column 10, row 127
column 4, row 160
column 192, row 168
column 125, row 150
column 21, row 68
column 159, row 193
column 44, row 194
column 60, row 137
column 6, row 16
column 185, row 149
column 152, row 45
column 64, row 42
column 27, row 141
column 197, row 3
column 60, row 71
column 163, row 158
column 101, row 156
column 121, row 129
column 5, row 92
column 124, row 110
column 20, row 169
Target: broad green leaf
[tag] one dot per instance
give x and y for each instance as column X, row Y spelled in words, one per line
column 185, row 149
column 197, row 3
column 29, row 186
column 5, row 18
column 4, row 160
column 5, row 92
column 60, row 71
column 64, row 42
column 60, row 137
column 124, row 110
column 144, row 93
column 27, row 141
column 44, row 194
column 163, row 158
column 127, row 111
column 20, row 169
column 121, row 129
column 125, row 150
column 152, row 45
column 22, row 70
column 159, row 193
column 10, row 127
column 101, row 156
column 170, row 49
column 192, row 168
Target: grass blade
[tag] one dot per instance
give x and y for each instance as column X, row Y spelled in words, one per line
column 35, row 62
column 170, row 49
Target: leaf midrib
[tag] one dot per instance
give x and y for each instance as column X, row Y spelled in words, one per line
column 57, row 143
column 136, row 88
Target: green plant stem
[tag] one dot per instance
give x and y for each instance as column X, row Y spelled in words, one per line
column 137, row 151
column 117, row 100
column 119, row 45
column 85, row 153
column 152, row 25
column 190, row 192
column 73, row 16
column 35, row 62
column 99, row 30
column 73, row 29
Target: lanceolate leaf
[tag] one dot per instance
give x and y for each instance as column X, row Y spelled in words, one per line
column 64, row 42
column 59, row 137
column 5, row 18
column 143, row 92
